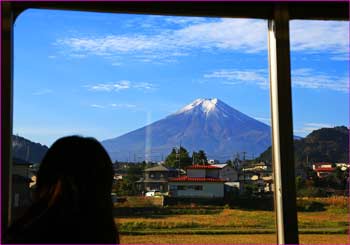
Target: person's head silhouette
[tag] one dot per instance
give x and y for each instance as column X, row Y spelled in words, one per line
column 73, row 196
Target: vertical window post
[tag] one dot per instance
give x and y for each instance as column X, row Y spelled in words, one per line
column 282, row 126
column 6, row 112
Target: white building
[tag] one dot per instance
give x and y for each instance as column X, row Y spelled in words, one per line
column 319, row 165
column 342, row 165
column 201, row 181
column 226, row 172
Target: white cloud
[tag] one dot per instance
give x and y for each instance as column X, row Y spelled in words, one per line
column 309, row 78
column 143, row 86
column 122, row 105
column 234, row 77
column 230, row 34
column 97, row 106
column 114, row 106
column 242, row 35
column 309, row 127
column 120, row 85
column 341, row 57
column 109, row 44
column 184, row 20
column 301, row 78
column 80, row 56
column 316, row 36
column 107, row 87
column 226, row 34
column 43, row 92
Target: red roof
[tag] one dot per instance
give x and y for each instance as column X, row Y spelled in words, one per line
column 324, row 169
column 197, row 166
column 322, row 163
column 190, row 179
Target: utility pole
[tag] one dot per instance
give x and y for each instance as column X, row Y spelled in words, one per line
column 180, row 157
column 244, row 153
column 237, row 156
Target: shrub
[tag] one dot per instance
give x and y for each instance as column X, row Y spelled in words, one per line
column 310, row 206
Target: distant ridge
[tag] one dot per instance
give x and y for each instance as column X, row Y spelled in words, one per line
column 321, row 145
column 27, row 150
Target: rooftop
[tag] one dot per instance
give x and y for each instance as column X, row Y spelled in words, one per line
column 322, row 163
column 190, row 179
column 159, row 168
column 324, row 169
column 197, row 166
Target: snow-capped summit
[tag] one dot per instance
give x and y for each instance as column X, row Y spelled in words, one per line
column 204, row 124
column 206, row 105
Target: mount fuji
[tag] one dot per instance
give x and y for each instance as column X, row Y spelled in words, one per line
column 205, row 124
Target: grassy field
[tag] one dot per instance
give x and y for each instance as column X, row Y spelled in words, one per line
column 230, row 239
column 211, row 225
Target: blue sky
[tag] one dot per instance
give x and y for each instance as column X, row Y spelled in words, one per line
column 103, row 75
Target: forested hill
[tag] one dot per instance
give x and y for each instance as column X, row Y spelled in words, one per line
column 27, row 150
column 322, row 145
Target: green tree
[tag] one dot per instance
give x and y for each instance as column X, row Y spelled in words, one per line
column 202, row 157
column 178, row 158
column 249, row 190
column 337, row 179
column 127, row 186
column 199, row 157
column 299, row 183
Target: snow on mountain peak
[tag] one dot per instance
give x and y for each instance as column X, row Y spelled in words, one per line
column 206, row 105
column 209, row 105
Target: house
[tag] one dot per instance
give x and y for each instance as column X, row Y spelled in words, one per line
column 156, row 178
column 227, row 172
column 201, row 181
column 319, row 165
column 248, row 176
column 259, row 175
column 213, row 161
column 21, row 183
column 323, row 169
column 324, row 172
column 342, row 165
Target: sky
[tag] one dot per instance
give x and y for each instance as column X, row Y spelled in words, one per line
column 103, row 75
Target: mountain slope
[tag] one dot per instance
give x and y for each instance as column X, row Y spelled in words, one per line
column 27, row 150
column 208, row 124
column 322, row 145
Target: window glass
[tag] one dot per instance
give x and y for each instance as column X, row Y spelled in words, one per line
column 320, row 88
column 184, row 97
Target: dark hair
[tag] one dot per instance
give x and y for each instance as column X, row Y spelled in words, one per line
column 73, row 196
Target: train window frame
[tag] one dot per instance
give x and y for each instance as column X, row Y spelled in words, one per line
column 278, row 16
